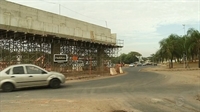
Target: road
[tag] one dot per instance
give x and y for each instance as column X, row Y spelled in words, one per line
column 143, row 91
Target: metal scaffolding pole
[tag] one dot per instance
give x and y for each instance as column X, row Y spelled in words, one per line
column 83, row 56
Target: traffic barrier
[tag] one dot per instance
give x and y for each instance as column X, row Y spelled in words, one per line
column 113, row 71
column 120, row 70
column 79, row 68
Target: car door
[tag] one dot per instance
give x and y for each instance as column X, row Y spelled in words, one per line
column 18, row 75
column 38, row 77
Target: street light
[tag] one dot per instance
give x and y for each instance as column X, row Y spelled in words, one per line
column 185, row 53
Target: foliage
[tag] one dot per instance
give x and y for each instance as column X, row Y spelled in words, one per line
column 174, row 47
column 131, row 57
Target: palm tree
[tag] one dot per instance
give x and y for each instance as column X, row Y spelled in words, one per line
column 160, row 55
column 171, row 47
column 180, row 47
column 193, row 43
column 175, row 47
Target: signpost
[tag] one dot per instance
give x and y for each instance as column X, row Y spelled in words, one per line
column 60, row 58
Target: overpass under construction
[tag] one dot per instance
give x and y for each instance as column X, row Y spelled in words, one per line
column 52, row 41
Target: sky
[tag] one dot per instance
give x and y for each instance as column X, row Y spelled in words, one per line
column 141, row 24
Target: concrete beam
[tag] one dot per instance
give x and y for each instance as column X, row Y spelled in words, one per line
column 26, row 19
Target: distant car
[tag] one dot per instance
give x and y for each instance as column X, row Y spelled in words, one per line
column 154, row 64
column 28, row 75
column 149, row 63
column 144, row 64
column 132, row 65
column 139, row 64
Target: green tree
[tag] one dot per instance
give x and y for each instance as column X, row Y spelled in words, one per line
column 193, row 43
column 171, row 48
column 126, row 58
column 175, row 47
column 115, row 60
column 132, row 57
column 123, row 57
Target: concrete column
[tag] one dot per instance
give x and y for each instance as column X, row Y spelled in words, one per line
column 100, row 59
column 55, row 49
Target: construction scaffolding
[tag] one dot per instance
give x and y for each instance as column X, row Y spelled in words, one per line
column 84, row 57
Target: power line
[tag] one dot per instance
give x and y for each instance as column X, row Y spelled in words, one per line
column 74, row 11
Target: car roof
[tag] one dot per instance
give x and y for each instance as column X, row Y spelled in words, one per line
column 16, row 65
column 23, row 65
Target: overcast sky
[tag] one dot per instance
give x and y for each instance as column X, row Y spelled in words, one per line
column 140, row 23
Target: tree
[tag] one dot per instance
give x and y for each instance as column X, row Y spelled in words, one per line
column 171, row 47
column 123, row 57
column 193, row 43
column 175, row 47
column 158, row 56
column 115, row 60
column 132, row 57
column 126, row 58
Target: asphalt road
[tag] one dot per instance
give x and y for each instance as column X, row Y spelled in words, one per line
column 144, row 91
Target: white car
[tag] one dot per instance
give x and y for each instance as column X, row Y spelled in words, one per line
column 132, row 65
column 28, row 75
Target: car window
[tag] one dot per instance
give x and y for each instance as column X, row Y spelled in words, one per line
column 34, row 70
column 8, row 71
column 18, row 70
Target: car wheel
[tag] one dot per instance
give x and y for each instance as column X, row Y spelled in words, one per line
column 55, row 83
column 7, row 87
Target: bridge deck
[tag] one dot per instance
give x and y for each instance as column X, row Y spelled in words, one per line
column 21, row 18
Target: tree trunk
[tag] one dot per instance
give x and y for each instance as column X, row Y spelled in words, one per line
column 171, row 63
column 192, row 57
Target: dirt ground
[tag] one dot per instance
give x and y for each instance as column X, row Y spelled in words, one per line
column 63, row 105
column 178, row 75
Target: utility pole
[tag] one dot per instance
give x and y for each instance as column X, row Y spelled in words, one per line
column 106, row 23
column 185, row 54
